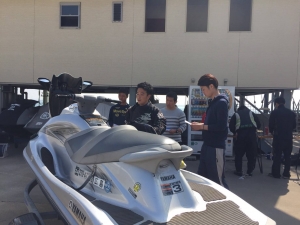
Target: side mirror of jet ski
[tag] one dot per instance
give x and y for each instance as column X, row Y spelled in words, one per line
column 44, row 82
column 86, row 84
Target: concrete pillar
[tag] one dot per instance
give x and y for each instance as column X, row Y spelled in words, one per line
column 132, row 96
column 287, row 95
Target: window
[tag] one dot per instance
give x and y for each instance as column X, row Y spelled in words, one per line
column 240, row 15
column 70, row 15
column 117, row 11
column 155, row 16
column 197, row 13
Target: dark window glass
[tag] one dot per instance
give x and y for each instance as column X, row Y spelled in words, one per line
column 70, row 21
column 70, row 15
column 117, row 12
column 197, row 14
column 69, row 10
column 155, row 16
column 240, row 15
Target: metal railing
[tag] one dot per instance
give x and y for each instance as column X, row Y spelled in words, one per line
column 263, row 117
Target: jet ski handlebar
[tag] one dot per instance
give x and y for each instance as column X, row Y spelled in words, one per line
column 87, row 103
column 80, row 97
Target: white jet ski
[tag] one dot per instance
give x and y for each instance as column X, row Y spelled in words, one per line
column 94, row 174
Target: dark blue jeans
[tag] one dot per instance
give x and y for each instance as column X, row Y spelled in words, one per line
column 212, row 163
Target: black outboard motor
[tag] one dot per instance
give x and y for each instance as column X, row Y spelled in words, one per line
column 62, row 84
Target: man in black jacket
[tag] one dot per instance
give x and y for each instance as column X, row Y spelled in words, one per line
column 282, row 122
column 145, row 116
column 214, row 131
column 244, row 124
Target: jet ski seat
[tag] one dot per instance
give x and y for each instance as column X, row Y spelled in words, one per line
column 101, row 145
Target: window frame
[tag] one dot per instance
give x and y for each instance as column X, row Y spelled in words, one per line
column 78, row 4
column 113, row 3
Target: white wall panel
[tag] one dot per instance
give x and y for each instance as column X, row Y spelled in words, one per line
column 99, row 51
column 16, row 41
column 32, row 45
column 269, row 54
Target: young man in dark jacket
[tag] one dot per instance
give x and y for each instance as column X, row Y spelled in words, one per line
column 118, row 111
column 244, row 124
column 145, row 116
column 214, row 131
column 282, row 122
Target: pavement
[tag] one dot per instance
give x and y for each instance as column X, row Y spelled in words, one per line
column 277, row 198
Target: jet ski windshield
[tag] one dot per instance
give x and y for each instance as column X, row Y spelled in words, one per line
column 62, row 84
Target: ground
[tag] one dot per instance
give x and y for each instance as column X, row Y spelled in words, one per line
column 276, row 198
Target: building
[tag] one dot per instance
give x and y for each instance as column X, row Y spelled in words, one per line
column 250, row 44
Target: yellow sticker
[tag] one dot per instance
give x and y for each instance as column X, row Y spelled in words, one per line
column 137, row 186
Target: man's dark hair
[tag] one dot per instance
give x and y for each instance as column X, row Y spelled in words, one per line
column 147, row 87
column 280, row 100
column 124, row 90
column 173, row 95
column 208, row 79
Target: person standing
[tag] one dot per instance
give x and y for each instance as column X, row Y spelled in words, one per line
column 175, row 118
column 145, row 116
column 282, row 122
column 214, row 131
column 118, row 111
column 244, row 124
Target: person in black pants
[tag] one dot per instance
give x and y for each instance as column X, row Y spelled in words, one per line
column 214, row 131
column 282, row 122
column 244, row 124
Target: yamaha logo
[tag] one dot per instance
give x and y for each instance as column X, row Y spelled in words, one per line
column 45, row 116
column 76, row 211
column 165, row 178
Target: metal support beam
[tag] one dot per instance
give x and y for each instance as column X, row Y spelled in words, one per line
column 266, row 102
column 242, row 100
column 132, row 95
column 45, row 97
column 1, row 98
column 287, row 95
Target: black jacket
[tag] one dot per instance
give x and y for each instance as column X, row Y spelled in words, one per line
column 282, row 122
column 117, row 114
column 147, row 118
column 216, row 119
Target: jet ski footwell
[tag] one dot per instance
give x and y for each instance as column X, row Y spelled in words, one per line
column 218, row 211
